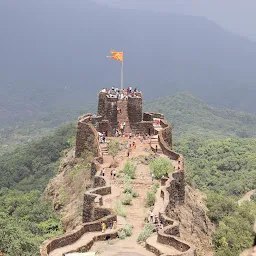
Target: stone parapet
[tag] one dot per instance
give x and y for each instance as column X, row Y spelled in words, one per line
column 86, row 137
column 93, row 215
column 172, row 193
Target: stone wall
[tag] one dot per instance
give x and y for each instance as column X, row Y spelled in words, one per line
column 86, row 137
column 134, row 109
column 74, row 235
column 172, row 193
column 91, row 213
column 165, row 140
column 107, row 109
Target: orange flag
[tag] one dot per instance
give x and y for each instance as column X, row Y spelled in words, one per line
column 116, row 56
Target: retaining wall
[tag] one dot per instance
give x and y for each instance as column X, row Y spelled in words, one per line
column 94, row 214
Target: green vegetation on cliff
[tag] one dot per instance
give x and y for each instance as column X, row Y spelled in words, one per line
column 31, row 166
column 226, row 166
column 225, row 169
column 25, row 219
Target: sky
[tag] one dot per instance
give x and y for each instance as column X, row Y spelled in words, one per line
column 236, row 15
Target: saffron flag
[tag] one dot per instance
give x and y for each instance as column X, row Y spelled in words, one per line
column 116, row 56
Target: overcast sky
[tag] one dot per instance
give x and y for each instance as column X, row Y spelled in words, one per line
column 235, row 15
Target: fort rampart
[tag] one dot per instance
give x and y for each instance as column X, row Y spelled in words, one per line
column 92, row 218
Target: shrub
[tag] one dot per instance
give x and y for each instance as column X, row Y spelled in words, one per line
column 161, row 166
column 121, row 234
column 129, row 169
column 126, row 199
column 119, row 209
column 128, row 187
column 128, row 229
column 146, row 232
column 150, row 198
column 155, row 187
column 134, row 193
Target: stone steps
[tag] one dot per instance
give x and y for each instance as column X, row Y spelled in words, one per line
column 104, row 148
column 154, row 143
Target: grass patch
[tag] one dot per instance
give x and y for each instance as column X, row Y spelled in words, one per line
column 125, row 232
column 150, row 198
column 119, row 209
column 128, row 187
column 129, row 169
column 126, row 198
column 151, row 195
column 146, row 232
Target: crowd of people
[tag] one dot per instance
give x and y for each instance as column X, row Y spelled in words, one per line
column 121, row 94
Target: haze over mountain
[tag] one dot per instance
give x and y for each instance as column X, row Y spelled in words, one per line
column 237, row 16
column 53, row 55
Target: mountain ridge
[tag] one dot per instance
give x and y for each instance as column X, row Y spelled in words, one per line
column 59, row 51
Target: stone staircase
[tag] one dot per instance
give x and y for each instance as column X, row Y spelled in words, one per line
column 122, row 117
column 154, row 143
column 104, row 148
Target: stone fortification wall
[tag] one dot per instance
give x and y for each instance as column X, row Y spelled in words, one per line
column 134, row 105
column 169, row 235
column 107, row 109
column 86, row 137
column 165, row 140
column 149, row 116
column 95, row 216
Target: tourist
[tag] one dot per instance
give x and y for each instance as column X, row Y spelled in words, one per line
column 103, row 227
column 111, row 174
column 153, row 177
column 103, row 171
column 156, row 148
column 114, row 174
column 130, row 135
column 128, row 153
column 120, row 110
column 156, row 219
column 114, row 224
column 151, row 216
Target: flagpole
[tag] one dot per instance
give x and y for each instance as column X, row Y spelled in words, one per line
column 122, row 73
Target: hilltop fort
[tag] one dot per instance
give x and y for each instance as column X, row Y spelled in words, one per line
column 120, row 117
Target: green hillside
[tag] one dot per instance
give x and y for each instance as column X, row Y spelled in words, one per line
column 26, row 220
column 191, row 116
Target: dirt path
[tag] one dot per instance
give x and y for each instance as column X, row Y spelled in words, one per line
column 247, row 196
column 136, row 214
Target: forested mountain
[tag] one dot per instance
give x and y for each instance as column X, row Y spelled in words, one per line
column 191, row 116
column 26, row 219
column 53, row 55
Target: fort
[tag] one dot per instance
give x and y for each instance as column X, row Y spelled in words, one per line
column 124, row 112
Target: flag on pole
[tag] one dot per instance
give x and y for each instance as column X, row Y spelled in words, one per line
column 116, row 56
